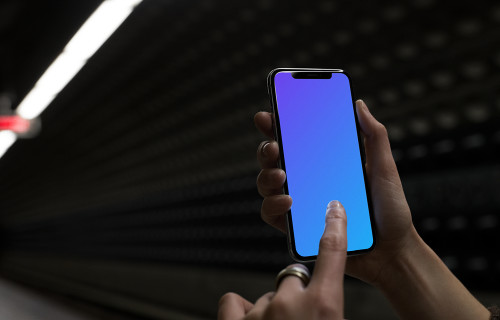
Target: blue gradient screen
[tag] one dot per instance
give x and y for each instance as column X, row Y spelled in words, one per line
column 322, row 158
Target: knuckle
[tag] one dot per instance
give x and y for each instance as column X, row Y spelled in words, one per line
column 381, row 130
column 265, row 207
column 271, row 210
column 260, row 177
column 278, row 303
column 262, row 183
column 278, row 308
column 264, row 214
column 325, row 310
column 226, row 298
column 333, row 242
column 298, row 265
column 270, row 178
column 315, row 296
column 272, row 204
column 263, row 177
column 337, row 215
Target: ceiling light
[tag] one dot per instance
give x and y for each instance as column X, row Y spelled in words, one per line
column 14, row 123
column 88, row 39
column 99, row 27
column 7, row 138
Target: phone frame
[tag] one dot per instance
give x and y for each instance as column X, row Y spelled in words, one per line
column 281, row 162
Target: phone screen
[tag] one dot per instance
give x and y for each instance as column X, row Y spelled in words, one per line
column 321, row 155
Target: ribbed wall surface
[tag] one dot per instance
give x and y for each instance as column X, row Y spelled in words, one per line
column 149, row 155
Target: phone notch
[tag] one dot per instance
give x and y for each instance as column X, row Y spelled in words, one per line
column 311, row 75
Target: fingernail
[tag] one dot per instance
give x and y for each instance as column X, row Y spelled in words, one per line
column 363, row 105
column 332, row 211
column 333, row 204
column 265, row 150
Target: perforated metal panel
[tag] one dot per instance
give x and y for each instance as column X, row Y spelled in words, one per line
column 148, row 156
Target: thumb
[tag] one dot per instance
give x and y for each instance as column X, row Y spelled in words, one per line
column 379, row 160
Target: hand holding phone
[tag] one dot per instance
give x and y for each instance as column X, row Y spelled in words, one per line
column 395, row 233
column 320, row 151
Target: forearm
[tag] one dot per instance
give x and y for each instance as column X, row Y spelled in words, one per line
column 420, row 286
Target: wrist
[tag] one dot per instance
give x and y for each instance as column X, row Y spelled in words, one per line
column 420, row 286
column 397, row 266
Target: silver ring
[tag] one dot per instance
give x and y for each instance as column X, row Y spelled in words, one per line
column 300, row 272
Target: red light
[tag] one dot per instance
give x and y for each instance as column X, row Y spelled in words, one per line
column 14, row 123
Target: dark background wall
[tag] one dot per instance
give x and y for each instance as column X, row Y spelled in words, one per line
column 139, row 193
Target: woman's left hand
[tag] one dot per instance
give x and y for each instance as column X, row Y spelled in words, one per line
column 322, row 298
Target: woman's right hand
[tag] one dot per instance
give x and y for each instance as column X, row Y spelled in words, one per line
column 394, row 230
column 320, row 298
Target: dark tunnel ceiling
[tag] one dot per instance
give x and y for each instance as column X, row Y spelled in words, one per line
column 32, row 34
column 153, row 144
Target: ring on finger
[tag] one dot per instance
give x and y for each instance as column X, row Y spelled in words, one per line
column 299, row 272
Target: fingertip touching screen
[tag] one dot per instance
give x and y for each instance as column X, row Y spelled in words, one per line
column 321, row 157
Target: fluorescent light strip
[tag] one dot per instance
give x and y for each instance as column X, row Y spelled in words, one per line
column 7, row 139
column 89, row 38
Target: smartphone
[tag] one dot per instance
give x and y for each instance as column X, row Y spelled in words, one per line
column 317, row 130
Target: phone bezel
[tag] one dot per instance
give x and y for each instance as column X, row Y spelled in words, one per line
column 281, row 163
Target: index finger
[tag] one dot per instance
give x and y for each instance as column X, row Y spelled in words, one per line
column 264, row 122
column 330, row 264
